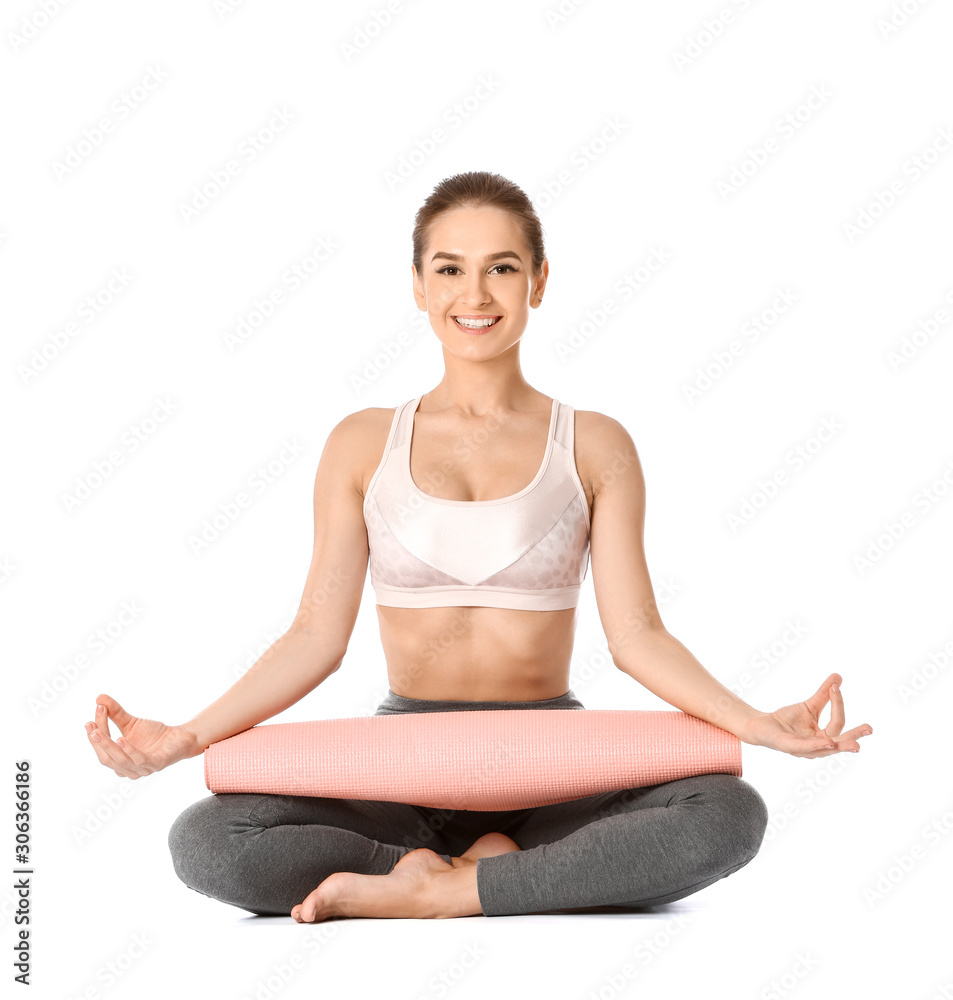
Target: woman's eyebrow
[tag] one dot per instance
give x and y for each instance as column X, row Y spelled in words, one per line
column 489, row 256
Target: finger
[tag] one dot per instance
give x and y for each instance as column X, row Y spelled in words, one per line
column 818, row 700
column 849, row 740
column 804, row 746
column 105, row 757
column 138, row 758
column 116, row 712
column 116, row 757
column 102, row 719
column 836, row 725
column 95, row 741
column 845, row 743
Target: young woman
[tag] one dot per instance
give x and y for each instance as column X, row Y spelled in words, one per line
column 478, row 505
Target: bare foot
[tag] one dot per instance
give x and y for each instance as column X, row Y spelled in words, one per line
column 421, row 884
column 487, row 846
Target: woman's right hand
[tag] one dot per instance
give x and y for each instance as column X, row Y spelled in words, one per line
column 145, row 745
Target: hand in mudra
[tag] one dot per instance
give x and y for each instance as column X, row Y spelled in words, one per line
column 796, row 729
column 145, row 745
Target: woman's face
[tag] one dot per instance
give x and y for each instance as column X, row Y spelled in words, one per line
column 477, row 265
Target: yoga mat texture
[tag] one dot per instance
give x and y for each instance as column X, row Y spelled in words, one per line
column 480, row 760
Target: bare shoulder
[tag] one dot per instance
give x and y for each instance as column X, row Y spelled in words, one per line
column 358, row 441
column 603, row 449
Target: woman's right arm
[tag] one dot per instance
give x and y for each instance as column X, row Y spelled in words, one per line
column 307, row 654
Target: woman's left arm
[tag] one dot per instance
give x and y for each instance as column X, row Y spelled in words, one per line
column 638, row 641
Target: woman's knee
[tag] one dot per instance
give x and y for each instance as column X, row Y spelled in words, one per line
column 186, row 840
column 199, row 841
column 742, row 814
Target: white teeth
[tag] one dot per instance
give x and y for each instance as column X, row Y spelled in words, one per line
column 474, row 324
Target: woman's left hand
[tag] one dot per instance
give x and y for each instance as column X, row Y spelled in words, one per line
column 795, row 729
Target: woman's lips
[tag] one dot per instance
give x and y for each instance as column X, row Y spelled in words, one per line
column 476, row 329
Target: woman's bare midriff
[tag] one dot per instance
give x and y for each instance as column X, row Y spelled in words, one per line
column 476, row 653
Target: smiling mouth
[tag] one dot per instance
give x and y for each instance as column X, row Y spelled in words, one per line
column 475, row 323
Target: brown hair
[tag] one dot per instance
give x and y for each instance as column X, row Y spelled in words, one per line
column 471, row 190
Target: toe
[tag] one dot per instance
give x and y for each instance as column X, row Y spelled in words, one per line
column 309, row 908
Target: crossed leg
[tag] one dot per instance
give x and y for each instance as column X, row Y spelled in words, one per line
column 638, row 847
column 319, row 857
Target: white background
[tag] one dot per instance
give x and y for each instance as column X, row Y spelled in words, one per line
column 807, row 913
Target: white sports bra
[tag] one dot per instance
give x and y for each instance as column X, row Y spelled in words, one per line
column 527, row 551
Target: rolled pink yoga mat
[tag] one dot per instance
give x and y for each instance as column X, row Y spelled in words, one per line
column 482, row 760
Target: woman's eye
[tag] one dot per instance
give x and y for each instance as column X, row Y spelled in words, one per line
column 451, row 267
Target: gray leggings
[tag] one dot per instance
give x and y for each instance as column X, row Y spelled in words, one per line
column 638, row 847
